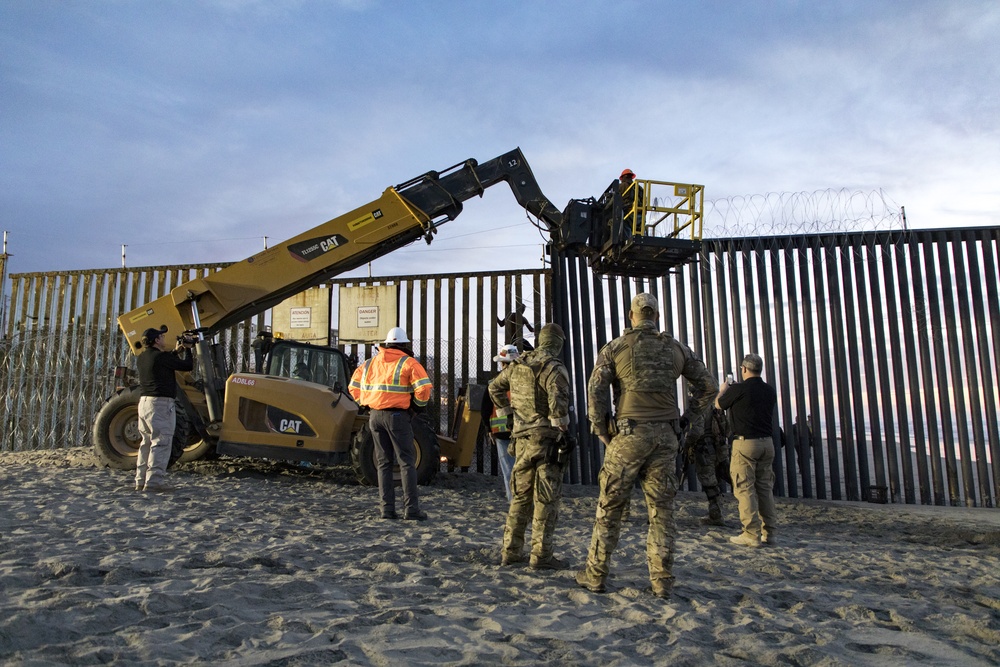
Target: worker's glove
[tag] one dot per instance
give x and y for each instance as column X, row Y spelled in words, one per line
column 416, row 409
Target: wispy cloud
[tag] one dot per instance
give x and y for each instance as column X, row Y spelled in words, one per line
column 192, row 122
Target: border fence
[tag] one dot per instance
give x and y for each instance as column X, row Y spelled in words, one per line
column 883, row 347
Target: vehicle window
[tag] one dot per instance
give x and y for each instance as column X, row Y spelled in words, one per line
column 323, row 366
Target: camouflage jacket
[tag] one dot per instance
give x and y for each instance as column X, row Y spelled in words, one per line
column 539, row 394
column 716, row 426
column 642, row 367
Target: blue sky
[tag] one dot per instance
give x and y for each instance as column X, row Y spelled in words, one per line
column 190, row 130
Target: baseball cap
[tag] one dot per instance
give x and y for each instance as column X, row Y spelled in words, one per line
column 644, row 300
column 150, row 335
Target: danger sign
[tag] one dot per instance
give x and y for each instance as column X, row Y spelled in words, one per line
column 367, row 317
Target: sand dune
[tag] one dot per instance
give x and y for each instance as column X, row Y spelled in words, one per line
column 254, row 563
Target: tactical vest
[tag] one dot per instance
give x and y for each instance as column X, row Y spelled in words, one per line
column 646, row 361
column 644, row 365
column 527, row 375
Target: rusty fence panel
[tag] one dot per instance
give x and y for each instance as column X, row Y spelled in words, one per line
column 884, row 349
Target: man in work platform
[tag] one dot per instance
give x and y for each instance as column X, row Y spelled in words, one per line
column 642, row 366
column 751, row 405
column 632, row 197
column 157, row 368
column 539, row 399
column 394, row 385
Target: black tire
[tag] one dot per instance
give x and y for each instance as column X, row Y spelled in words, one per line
column 187, row 440
column 116, row 431
column 188, row 445
column 363, row 457
column 116, row 435
column 424, row 441
column 428, row 451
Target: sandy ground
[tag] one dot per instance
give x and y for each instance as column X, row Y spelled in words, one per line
column 254, row 563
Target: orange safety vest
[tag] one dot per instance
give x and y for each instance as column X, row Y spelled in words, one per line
column 388, row 380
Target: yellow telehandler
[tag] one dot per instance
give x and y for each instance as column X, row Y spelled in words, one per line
column 271, row 414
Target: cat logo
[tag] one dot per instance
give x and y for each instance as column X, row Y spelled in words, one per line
column 290, row 425
column 326, row 245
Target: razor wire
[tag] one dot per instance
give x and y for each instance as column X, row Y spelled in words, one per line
column 54, row 383
column 41, row 370
column 795, row 213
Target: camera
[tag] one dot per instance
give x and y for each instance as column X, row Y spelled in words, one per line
column 187, row 339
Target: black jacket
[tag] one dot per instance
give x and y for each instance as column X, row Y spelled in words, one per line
column 157, row 371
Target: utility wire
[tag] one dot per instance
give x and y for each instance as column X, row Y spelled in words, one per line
column 238, row 238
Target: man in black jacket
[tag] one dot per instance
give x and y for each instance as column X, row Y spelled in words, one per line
column 157, row 412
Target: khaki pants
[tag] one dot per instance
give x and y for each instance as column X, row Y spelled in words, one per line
column 753, row 484
column 157, row 421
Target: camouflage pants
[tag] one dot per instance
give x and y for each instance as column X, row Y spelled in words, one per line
column 647, row 452
column 710, row 459
column 533, row 482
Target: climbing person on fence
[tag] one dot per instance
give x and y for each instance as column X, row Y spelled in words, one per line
column 514, row 324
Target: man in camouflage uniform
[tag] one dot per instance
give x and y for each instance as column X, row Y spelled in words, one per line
column 539, row 399
column 642, row 366
column 711, row 457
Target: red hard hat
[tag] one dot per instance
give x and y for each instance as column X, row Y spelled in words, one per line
column 627, row 172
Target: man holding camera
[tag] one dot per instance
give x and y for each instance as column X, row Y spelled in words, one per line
column 535, row 388
column 157, row 409
column 751, row 405
column 642, row 366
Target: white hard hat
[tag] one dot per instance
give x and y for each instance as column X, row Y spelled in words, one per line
column 396, row 335
column 507, row 354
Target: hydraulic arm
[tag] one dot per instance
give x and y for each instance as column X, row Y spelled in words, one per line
column 403, row 214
